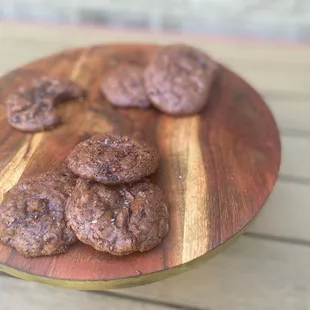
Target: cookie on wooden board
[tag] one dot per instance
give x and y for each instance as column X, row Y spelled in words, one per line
column 119, row 220
column 123, row 86
column 179, row 78
column 113, row 159
column 32, row 108
column 32, row 215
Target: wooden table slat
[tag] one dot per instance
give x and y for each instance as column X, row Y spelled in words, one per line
column 265, row 79
column 295, row 156
column 35, row 296
column 251, row 50
column 251, row 274
column 290, row 113
column 286, row 213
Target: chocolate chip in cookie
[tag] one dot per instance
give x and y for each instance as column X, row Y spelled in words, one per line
column 32, row 215
column 178, row 79
column 112, row 159
column 123, row 86
column 119, row 220
column 32, row 108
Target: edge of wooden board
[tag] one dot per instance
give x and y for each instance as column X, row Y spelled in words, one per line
column 100, row 285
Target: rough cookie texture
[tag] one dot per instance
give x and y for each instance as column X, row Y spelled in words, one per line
column 179, row 78
column 123, row 86
column 119, row 220
column 112, row 159
column 32, row 215
column 33, row 108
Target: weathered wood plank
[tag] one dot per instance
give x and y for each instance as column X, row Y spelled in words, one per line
column 290, row 114
column 30, row 296
column 295, row 156
column 286, row 213
column 18, row 53
column 251, row 274
column 274, row 79
column 281, row 53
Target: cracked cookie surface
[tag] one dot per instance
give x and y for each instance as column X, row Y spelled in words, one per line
column 33, row 108
column 119, row 220
column 179, row 78
column 113, row 159
column 32, row 215
column 123, row 86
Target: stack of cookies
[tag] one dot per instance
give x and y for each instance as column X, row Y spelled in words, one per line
column 113, row 208
column 177, row 81
column 100, row 197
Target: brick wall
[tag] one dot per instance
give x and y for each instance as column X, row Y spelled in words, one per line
column 288, row 19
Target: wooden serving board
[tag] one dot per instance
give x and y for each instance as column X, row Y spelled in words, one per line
column 217, row 168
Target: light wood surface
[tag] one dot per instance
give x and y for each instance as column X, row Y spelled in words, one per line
column 36, row 296
column 217, row 168
column 259, row 271
column 296, row 152
column 64, row 37
column 290, row 114
column 251, row 274
column 289, row 204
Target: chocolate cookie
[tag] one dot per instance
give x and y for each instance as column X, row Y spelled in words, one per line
column 123, row 86
column 119, row 220
column 179, row 78
column 32, row 215
column 113, row 159
column 33, row 108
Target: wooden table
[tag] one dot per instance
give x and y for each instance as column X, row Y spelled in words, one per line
column 268, row 267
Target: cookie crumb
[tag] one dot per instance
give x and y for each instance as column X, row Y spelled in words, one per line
column 142, row 194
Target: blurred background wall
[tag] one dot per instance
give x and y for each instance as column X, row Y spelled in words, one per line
column 281, row 19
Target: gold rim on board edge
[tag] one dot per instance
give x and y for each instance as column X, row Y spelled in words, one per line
column 97, row 285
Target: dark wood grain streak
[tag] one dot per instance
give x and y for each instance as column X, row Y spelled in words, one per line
column 217, row 168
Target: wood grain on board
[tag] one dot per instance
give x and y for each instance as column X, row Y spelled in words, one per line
column 217, row 168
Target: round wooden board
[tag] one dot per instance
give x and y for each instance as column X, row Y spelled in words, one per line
column 217, row 168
